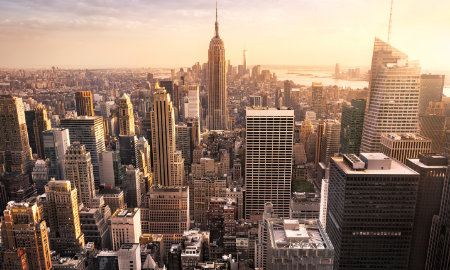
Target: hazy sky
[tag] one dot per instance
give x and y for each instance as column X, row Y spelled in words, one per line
column 173, row 33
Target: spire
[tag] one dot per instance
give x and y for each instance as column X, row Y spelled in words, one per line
column 217, row 23
column 390, row 24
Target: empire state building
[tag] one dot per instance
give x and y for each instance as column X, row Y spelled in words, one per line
column 217, row 118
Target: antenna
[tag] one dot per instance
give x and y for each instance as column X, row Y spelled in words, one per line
column 216, row 10
column 390, row 23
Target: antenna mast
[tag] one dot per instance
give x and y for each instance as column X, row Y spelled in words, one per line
column 390, row 23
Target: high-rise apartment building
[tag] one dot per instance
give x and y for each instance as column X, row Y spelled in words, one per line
column 126, row 116
column 393, row 100
column 317, row 99
column 84, row 102
column 88, row 130
column 330, row 142
column 55, row 142
column 165, row 160
column 431, row 87
column 404, row 146
column 41, row 123
column 368, row 225
column 63, row 218
column 78, row 170
column 352, row 122
column 125, row 227
column 23, row 227
column 217, row 116
column 432, row 169
column 15, row 151
column 268, row 164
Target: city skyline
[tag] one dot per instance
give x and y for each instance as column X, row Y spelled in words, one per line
column 113, row 34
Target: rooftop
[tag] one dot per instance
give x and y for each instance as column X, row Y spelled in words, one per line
column 405, row 137
column 264, row 111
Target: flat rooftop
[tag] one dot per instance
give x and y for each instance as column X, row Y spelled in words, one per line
column 396, row 168
column 263, row 111
column 405, row 137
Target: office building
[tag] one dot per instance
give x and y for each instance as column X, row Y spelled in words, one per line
column 393, row 100
column 41, row 123
column 129, row 256
column 431, row 88
column 204, row 189
column 23, row 227
column 217, row 114
column 126, row 116
column 55, row 142
column 63, row 218
column 95, row 228
column 438, row 256
column 165, row 160
column 194, row 102
column 125, row 227
column 143, row 162
column 255, row 101
column 330, row 141
column 352, row 122
column 323, row 203
column 370, row 211
column 40, row 176
column 29, row 120
column 320, row 133
column 184, row 142
column 432, row 125
column 287, row 93
column 84, row 102
column 317, row 99
column 128, row 150
column 78, row 169
column 133, row 187
column 15, row 151
column 113, row 197
column 432, row 169
column 17, row 187
column 111, row 170
column 222, row 225
column 88, row 130
column 404, row 146
column 268, row 164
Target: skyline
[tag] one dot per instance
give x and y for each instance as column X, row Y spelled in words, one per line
column 116, row 34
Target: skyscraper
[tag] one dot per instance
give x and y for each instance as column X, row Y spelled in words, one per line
column 432, row 168
column 15, row 151
column 41, row 123
column 367, row 222
column 433, row 125
column 194, row 102
column 352, row 122
column 317, row 99
column 330, row 142
column 85, row 105
column 63, row 218
column 268, row 164
column 125, row 227
column 23, row 227
column 287, row 93
column 163, row 138
column 78, row 170
column 217, row 116
column 88, row 130
column 431, row 87
column 393, row 100
column 404, row 146
column 55, row 142
column 126, row 116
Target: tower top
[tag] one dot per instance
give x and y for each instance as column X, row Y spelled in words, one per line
column 390, row 23
column 217, row 23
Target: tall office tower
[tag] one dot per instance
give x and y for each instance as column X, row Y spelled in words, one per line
column 125, row 227
column 128, row 149
column 40, row 176
column 85, row 105
column 268, row 164
column 126, row 116
column 330, row 142
column 15, row 151
column 169, row 86
column 277, row 97
column 55, row 142
column 23, row 227
column 41, row 123
column 305, row 131
column 337, row 71
column 204, row 189
column 29, row 120
column 78, row 170
column 167, row 212
column 320, row 133
column 133, row 187
column 438, row 256
column 63, row 218
column 88, row 130
column 129, row 256
column 244, row 63
column 217, row 118
column 431, row 87
column 323, row 203
column 194, row 102
column 95, row 228
column 404, row 146
column 184, row 142
column 143, row 161
column 432, row 170
column 195, row 124
column 352, row 122
column 111, row 170
column 317, row 99
column 163, row 139
column 177, row 172
column 287, row 93
column 222, row 225
column 393, row 100
column 432, row 125
column 371, row 208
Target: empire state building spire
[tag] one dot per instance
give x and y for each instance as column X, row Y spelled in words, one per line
column 217, row 23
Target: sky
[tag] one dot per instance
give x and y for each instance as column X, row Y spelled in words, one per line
column 174, row 33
